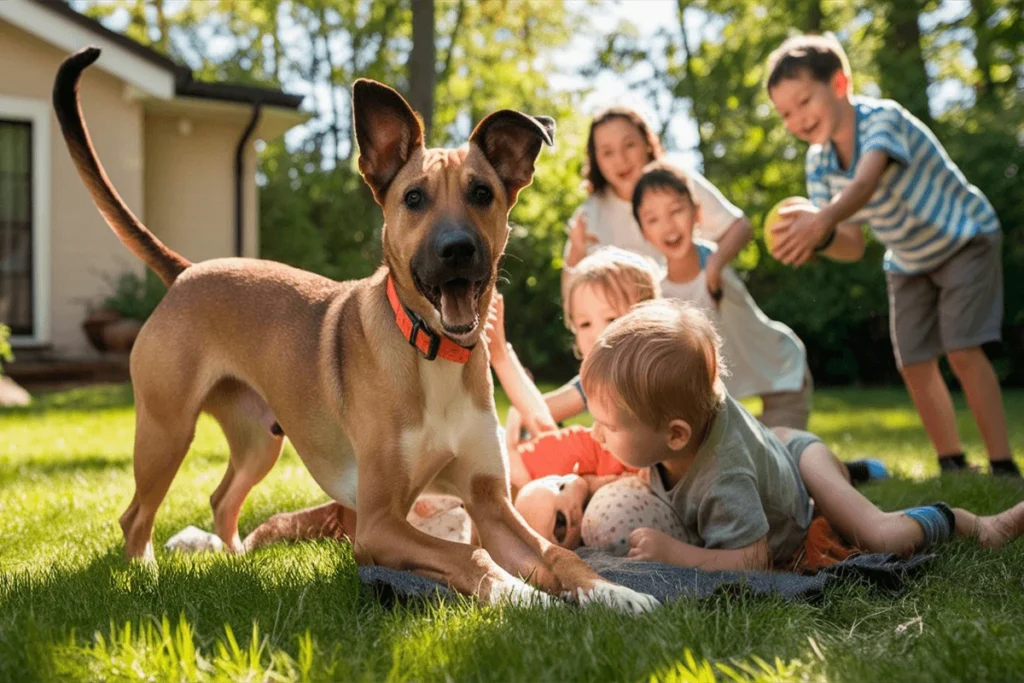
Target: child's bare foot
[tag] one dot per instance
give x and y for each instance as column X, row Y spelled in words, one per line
column 993, row 531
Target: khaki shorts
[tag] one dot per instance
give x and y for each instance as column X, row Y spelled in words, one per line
column 789, row 408
column 959, row 305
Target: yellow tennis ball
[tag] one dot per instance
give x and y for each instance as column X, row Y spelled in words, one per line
column 772, row 218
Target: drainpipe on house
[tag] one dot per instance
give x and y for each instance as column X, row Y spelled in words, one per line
column 257, row 111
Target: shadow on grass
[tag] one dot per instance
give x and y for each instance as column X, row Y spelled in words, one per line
column 83, row 464
column 40, row 613
column 82, row 399
column 95, row 464
column 314, row 588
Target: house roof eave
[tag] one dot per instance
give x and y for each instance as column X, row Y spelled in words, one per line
column 275, row 120
column 145, row 69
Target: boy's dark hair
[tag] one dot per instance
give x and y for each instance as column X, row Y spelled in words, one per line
column 819, row 56
column 591, row 172
column 661, row 175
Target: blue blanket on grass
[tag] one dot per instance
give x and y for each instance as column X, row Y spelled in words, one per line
column 667, row 582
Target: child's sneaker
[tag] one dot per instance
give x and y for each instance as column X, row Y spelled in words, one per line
column 1005, row 468
column 952, row 464
column 868, row 469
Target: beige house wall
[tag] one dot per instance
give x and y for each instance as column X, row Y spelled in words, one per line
column 190, row 184
column 83, row 250
column 171, row 161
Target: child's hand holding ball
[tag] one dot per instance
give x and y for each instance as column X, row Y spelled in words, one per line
column 786, row 228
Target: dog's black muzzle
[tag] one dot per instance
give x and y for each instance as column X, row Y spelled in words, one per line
column 453, row 253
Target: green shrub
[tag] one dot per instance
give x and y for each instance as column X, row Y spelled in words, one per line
column 135, row 297
column 5, row 346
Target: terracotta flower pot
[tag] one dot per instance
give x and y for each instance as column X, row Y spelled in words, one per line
column 119, row 335
column 94, row 325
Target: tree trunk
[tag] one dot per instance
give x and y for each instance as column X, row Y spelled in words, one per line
column 807, row 15
column 423, row 62
column 325, row 35
column 277, row 48
column 901, row 71
column 452, row 40
column 982, row 10
column 314, row 76
column 359, row 62
column 163, row 44
column 137, row 20
column 691, row 81
column 813, row 16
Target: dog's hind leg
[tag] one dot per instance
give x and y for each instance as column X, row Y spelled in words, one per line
column 160, row 446
column 254, row 451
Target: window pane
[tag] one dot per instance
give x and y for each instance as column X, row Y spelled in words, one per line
column 16, row 226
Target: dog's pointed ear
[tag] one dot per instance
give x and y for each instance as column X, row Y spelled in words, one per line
column 387, row 130
column 511, row 142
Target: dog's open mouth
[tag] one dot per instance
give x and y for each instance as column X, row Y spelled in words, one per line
column 458, row 303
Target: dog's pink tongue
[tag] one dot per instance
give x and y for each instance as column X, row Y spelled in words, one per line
column 457, row 306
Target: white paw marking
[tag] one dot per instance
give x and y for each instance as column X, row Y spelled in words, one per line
column 618, row 598
column 520, row 594
column 194, row 540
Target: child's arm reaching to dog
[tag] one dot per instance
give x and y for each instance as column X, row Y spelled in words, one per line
column 656, row 546
column 563, row 403
column 537, row 413
column 804, row 230
column 532, row 411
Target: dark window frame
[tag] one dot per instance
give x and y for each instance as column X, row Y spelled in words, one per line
column 29, row 330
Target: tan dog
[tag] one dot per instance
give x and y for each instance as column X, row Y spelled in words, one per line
column 373, row 419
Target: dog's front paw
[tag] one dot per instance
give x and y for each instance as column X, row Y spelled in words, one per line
column 194, row 540
column 618, row 598
column 519, row 593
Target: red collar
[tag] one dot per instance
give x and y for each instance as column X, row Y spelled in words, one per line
column 430, row 344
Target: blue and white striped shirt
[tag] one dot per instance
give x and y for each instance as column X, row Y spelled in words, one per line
column 924, row 209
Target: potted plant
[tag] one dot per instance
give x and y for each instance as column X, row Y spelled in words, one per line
column 115, row 324
column 10, row 393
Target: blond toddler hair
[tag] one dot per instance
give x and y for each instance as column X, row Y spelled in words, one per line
column 623, row 277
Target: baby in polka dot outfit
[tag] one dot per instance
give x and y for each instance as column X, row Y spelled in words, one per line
column 597, row 511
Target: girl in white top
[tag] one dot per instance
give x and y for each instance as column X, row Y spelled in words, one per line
column 765, row 358
column 619, row 145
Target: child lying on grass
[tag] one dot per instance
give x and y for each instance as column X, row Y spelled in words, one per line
column 741, row 493
column 604, row 287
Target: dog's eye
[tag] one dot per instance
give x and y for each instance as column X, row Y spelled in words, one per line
column 414, row 198
column 481, row 195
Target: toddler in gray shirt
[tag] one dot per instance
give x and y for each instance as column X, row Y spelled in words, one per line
column 742, row 492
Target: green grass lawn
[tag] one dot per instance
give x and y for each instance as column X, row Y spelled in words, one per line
column 71, row 609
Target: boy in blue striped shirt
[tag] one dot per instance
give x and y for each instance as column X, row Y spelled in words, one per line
column 871, row 161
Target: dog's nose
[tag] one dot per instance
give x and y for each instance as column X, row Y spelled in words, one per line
column 455, row 247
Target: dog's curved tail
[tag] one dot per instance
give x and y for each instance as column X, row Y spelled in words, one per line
column 165, row 262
